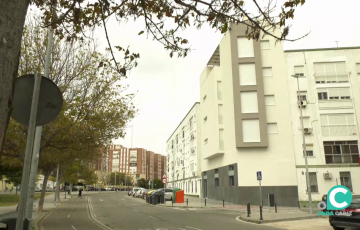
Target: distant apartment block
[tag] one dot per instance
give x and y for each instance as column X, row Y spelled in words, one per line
column 183, row 153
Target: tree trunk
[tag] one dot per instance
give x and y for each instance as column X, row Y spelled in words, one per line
column 58, row 189
column 12, row 19
column 42, row 196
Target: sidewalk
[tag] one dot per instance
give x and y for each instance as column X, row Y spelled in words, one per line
column 269, row 214
column 48, row 206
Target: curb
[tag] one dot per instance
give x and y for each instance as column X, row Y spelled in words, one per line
column 38, row 221
column 277, row 220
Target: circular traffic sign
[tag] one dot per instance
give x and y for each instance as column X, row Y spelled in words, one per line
column 49, row 105
column 164, row 180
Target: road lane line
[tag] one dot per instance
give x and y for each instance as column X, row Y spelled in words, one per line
column 135, row 210
column 73, row 227
column 101, row 200
column 193, row 228
column 68, row 215
column 154, row 217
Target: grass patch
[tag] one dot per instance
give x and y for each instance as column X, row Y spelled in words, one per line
column 10, row 200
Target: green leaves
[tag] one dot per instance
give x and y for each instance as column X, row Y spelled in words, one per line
column 141, row 32
column 224, row 28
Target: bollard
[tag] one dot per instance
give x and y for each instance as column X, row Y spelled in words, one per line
column 261, row 218
column 248, row 209
column 187, row 202
column 172, row 202
column 205, row 202
column 223, row 203
column 275, row 208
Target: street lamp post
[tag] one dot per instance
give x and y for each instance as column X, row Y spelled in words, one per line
column 115, row 181
column 304, row 146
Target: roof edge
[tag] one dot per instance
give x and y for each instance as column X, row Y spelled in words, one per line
column 322, row 49
column 183, row 119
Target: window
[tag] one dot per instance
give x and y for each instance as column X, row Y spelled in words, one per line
column 221, row 139
column 220, row 112
column 269, row 99
column 249, row 102
column 195, row 186
column 251, row 130
column 302, row 96
column 334, row 94
column 341, row 152
column 245, row 47
column 323, row 96
column 216, row 171
column 313, row 182
column 183, row 133
column 330, row 72
column 205, row 119
column 191, row 124
column 177, row 139
column 358, row 68
column 299, row 70
column 205, row 141
column 267, row 72
column 338, row 124
column 272, row 128
column 219, row 95
column 231, row 167
column 345, row 179
column 231, row 181
column 204, row 98
column 247, row 74
column 216, row 182
column 265, row 45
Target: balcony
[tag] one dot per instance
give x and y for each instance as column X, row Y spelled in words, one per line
column 339, row 130
column 342, row 158
column 326, row 78
column 335, row 104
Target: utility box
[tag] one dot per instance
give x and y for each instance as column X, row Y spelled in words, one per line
column 180, row 197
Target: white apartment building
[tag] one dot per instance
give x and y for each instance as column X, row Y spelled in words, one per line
column 183, row 153
column 250, row 120
column 330, row 89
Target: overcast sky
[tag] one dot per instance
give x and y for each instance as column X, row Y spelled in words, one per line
column 168, row 87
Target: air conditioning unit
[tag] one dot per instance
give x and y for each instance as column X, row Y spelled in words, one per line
column 327, row 176
column 307, row 130
column 302, row 103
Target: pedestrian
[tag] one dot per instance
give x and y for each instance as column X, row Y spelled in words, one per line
column 80, row 191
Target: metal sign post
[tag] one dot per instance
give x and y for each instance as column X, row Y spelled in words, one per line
column 259, row 178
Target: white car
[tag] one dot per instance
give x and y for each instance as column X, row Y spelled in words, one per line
column 134, row 190
column 37, row 189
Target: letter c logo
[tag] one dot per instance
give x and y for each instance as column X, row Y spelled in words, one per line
column 332, row 198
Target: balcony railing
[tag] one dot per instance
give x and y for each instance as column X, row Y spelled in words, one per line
column 339, row 130
column 322, row 78
column 335, row 104
column 342, row 158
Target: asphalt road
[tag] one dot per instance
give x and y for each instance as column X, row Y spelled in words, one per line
column 118, row 211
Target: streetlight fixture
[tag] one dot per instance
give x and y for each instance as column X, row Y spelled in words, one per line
column 304, row 146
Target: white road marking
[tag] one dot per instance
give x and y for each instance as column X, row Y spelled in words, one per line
column 122, row 199
column 68, row 215
column 193, row 228
column 101, row 200
column 154, row 217
column 135, row 210
column 181, row 228
column 73, row 227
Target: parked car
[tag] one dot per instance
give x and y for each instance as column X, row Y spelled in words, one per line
column 135, row 189
column 143, row 193
column 48, row 189
column 342, row 222
column 169, row 194
column 37, row 189
column 139, row 192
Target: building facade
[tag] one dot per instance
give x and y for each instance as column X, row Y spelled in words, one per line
column 183, row 154
column 329, row 88
column 250, row 121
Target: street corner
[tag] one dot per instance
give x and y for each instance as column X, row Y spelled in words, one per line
column 268, row 218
